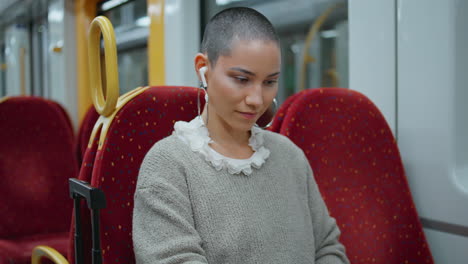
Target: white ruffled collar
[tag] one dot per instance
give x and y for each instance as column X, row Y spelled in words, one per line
column 196, row 135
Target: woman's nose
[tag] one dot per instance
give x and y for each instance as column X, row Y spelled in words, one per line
column 255, row 96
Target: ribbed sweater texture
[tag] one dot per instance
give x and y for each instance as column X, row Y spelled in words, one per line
column 188, row 212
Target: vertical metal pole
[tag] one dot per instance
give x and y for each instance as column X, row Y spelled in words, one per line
column 78, row 238
column 97, row 256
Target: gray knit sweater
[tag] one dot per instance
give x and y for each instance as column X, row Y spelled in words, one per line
column 187, row 212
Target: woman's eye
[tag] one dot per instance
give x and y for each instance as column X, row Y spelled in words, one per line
column 241, row 79
column 270, row 82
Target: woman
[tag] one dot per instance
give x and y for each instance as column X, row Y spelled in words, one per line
column 220, row 189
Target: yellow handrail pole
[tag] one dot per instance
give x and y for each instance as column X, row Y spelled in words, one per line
column 307, row 58
column 156, row 59
column 85, row 11
column 102, row 25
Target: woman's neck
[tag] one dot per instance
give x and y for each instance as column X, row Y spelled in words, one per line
column 227, row 141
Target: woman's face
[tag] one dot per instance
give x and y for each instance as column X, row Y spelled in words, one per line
column 242, row 85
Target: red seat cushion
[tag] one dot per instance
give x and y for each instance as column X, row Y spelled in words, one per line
column 18, row 251
column 360, row 174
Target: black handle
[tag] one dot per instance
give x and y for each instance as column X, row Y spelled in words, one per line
column 96, row 200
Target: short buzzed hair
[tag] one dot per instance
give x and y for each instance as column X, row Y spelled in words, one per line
column 241, row 23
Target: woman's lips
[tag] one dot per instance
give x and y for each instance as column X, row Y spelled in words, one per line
column 248, row 115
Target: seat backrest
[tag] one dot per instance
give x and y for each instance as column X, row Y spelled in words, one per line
column 64, row 114
column 141, row 122
column 84, row 132
column 360, row 174
column 36, row 160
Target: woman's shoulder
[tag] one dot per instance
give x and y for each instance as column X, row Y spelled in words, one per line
column 285, row 153
column 168, row 147
column 162, row 162
column 280, row 142
column 166, row 151
column 283, row 150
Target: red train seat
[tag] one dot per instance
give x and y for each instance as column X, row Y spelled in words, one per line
column 359, row 171
column 148, row 117
column 36, row 160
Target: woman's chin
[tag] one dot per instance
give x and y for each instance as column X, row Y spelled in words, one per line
column 244, row 125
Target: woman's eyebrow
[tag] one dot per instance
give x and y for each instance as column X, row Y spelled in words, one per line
column 249, row 72
column 242, row 70
column 273, row 74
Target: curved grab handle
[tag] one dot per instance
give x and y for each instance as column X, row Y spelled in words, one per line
column 307, row 58
column 49, row 253
column 102, row 25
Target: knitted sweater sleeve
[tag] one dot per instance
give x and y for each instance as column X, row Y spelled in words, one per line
column 163, row 225
column 328, row 250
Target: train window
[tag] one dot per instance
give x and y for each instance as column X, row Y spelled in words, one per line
column 133, row 69
column 17, row 59
column 39, row 42
column 125, row 15
column 131, row 24
column 20, row 52
column 328, row 48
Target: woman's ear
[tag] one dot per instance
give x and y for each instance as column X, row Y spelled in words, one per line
column 201, row 60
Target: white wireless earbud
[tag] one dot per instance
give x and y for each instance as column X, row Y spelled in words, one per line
column 202, row 72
